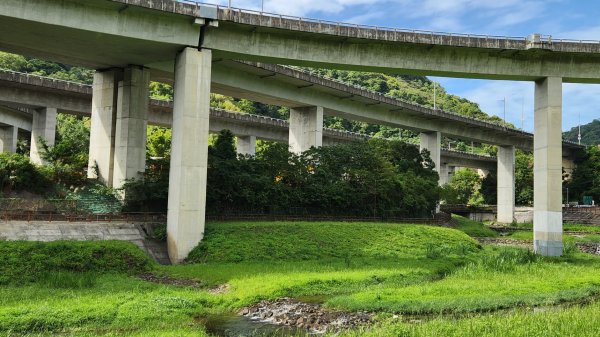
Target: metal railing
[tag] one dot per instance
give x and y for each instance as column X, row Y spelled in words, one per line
column 130, row 217
column 313, row 217
column 339, row 24
column 582, row 209
column 66, row 210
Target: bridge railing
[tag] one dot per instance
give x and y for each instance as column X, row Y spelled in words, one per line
column 543, row 37
column 38, row 77
column 427, row 108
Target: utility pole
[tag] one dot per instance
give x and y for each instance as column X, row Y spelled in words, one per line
column 522, row 113
column 262, row 6
column 229, row 3
column 434, row 94
column 579, row 127
column 504, row 100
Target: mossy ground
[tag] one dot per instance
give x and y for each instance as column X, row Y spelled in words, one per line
column 391, row 270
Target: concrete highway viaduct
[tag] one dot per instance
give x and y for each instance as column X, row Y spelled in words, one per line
column 131, row 41
column 25, row 97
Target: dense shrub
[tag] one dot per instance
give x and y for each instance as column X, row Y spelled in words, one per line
column 17, row 173
column 463, row 188
column 28, row 261
column 67, row 159
column 585, row 179
column 375, row 178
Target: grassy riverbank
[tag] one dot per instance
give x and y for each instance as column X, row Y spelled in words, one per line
column 392, row 270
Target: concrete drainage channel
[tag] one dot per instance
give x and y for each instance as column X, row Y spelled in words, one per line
column 138, row 234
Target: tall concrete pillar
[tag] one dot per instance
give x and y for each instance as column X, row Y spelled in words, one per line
column 189, row 152
column 506, row 184
column 8, row 139
column 547, row 168
column 43, row 126
column 451, row 170
column 102, row 131
column 130, row 126
column 443, row 172
column 246, row 145
column 432, row 141
column 568, row 165
column 306, row 128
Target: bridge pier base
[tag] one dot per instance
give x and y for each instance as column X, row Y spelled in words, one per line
column 8, row 139
column 189, row 152
column 506, row 184
column 432, row 141
column 246, row 145
column 306, row 128
column 43, row 126
column 130, row 125
column 547, row 168
column 102, row 130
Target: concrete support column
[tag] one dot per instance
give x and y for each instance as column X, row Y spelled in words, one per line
column 506, row 184
column 306, row 128
column 130, row 126
column 432, row 141
column 547, row 168
column 451, row 170
column 8, row 139
column 246, row 145
column 102, row 131
column 189, row 152
column 444, row 176
column 43, row 126
column 483, row 172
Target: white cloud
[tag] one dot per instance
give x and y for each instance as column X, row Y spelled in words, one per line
column 298, row 7
column 519, row 100
column 587, row 33
column 366, row 18
column 580, row 100
column 447, row 15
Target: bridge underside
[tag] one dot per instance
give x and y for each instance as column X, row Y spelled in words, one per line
column 163, row 40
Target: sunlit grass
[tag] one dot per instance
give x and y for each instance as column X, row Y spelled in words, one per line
column 406, row 269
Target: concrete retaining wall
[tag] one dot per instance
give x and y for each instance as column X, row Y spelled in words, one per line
column 81, row 231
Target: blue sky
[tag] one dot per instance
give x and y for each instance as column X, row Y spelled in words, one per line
column 559, row 18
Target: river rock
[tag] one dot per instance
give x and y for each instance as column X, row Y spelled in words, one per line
column 312, row 316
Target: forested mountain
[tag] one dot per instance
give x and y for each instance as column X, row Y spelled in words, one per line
column 44, row 68
column 590, row 133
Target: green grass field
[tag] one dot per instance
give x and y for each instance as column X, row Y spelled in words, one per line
column 395, row 271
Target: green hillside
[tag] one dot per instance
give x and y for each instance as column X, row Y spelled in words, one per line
column 590, row 133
